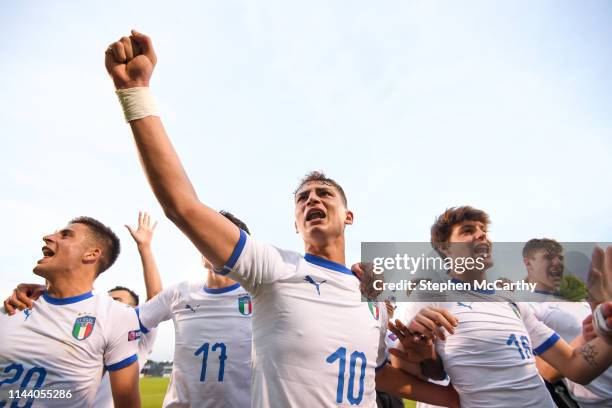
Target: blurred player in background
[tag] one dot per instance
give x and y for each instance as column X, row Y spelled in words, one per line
column 544, row 261
column 142, row 235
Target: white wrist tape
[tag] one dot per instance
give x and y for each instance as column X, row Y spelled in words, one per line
column 599, row 323
column 137, row 103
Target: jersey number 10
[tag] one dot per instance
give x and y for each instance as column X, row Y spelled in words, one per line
column 340, row 354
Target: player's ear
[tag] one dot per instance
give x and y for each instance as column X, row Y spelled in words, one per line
column 348, row 220
column 92, row 255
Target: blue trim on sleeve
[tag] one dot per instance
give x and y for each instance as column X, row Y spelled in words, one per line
column 122, row 363
column 313, row 259
column 546, row 345
column 143, row 329
column 216, row 291
column 68, row 300
column 227, row 268
column 377, row 369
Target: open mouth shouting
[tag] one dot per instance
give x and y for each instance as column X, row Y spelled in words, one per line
column 47, row 253
column 482, row 250
column 315, row 214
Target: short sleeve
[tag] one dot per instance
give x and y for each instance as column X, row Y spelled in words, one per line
column 542, row 336
column 157, row 309
column 122, row 337
column 253, row 264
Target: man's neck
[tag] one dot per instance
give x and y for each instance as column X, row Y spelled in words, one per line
column 68, row 287
column 216, row 281
column 332, row 251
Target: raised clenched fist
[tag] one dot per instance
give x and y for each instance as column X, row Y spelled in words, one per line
column 130, row 61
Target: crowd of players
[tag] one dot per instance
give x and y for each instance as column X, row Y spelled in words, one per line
column 268, row 327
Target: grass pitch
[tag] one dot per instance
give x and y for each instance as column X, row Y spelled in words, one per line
column 153, row 389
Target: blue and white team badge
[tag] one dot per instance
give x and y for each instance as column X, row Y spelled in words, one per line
column 245, row 306
column 83, row 327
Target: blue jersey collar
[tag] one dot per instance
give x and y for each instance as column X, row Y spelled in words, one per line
column 324, row 263
column 68, row 300
column 216, row 291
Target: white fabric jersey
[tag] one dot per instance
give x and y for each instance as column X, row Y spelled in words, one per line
column 316, row 344
column 64, row 345
column 490, row 358
column 104, row 396
column 566, row 319
column 212, row 352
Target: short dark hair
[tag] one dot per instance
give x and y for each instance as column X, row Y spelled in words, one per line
column 130, row 291
column 549, row 245
column 104, row 236
column 442, row 228
column 321, row 178
column 235, row 220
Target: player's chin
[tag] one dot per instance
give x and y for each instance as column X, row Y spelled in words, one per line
column 39, row 270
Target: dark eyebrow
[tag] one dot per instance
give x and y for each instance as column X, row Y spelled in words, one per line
column 67, row 231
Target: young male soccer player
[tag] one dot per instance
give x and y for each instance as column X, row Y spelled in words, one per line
column 315, row 342
column 212, row 353
column 489, row 355
column 544, row 261
column 54, row 354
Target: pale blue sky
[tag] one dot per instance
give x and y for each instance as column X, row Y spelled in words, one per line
column 413, row 106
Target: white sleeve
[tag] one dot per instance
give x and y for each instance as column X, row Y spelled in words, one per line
column 542, row 336
column 122, row 338
column 253, row 263
column 147, row 341
column 383, row 351
column 157, row 309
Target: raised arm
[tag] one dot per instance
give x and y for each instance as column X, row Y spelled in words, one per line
column 130, row 62
column 143, row 235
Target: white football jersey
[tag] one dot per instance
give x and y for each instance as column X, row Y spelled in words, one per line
column 316, row 344
column 104, row 396
column 212, row 352
column 62, row 346
column 490, row 358
column 566, row 319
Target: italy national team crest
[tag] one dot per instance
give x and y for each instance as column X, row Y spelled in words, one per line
column 245, row 305
column 374, row 309
column 83, row 326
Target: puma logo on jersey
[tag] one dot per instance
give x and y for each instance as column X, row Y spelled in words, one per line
column 27, row 313
column 190, row 308
column 469, row 306
column 317, row 285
